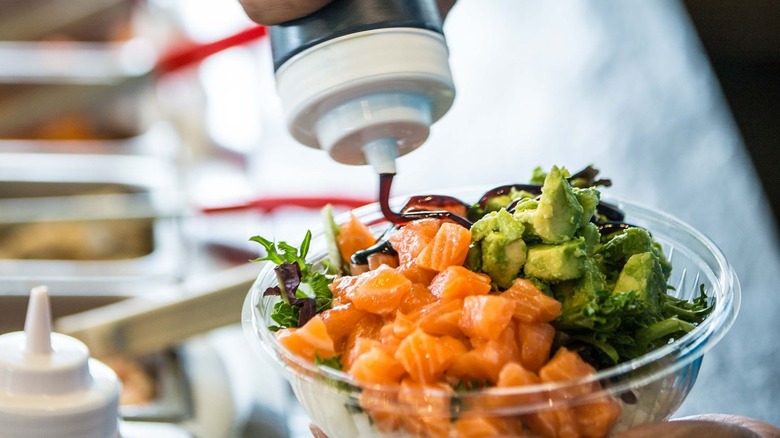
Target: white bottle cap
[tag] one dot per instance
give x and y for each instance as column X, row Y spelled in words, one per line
column 49, row 386
column 389, row 83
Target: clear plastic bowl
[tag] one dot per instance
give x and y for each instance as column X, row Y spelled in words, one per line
column 649, row 388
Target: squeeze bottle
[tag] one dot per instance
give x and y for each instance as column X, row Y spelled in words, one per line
column 49, row 386
column 363, row 79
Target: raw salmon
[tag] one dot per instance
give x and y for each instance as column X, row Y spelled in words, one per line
column 424, row 357
column 459, row 282
column 440, row 317
column 376, row 366
column 340, row 320
column 484, row 316
column 425, row 408
column 449, row 247
column 410, row 240
column 535, row 341
column 352, row 237
column 483, row 426
column 307, row 341
column 379, row 291
column 418, row 297
column 484, row 362
column 533, row 305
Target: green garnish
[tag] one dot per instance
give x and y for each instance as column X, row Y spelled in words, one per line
column 333, row 362
column 303, row 290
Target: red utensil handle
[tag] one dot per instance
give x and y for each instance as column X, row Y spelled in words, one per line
column 270, row 204
column 197, row 52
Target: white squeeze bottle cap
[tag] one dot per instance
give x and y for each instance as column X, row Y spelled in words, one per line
column 364, row 80
column 49, row 386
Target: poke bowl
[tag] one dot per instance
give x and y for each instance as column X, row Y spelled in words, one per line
column 602, row 402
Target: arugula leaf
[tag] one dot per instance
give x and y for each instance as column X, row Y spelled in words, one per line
column 304, row 292
column 624, row 325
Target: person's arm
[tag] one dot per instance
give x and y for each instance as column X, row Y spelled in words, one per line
column 270, row 12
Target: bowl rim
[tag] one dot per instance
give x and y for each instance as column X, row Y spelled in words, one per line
column 683, row 351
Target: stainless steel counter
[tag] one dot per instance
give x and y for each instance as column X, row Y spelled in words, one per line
column 622, row 85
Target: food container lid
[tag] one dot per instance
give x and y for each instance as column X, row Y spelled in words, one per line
column 49, row 386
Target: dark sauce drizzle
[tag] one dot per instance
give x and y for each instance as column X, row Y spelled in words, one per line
column 382, row 246
column 417, row 207
column 415, row 212
column 609, row 218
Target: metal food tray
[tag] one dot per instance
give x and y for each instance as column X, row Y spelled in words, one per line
column 43, row 190
column 173, row 400
column 81, row 20
column 76, row 90
column 161, row 140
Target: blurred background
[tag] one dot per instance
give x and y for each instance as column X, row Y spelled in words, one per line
column 132, row 173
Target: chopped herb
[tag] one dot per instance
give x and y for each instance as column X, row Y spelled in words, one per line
column 304, row 292
column 470, row 385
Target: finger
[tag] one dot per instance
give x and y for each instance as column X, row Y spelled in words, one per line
column 445, row 6
column 269, row 12
column 762, row 429
column 688, row 428
column 316, row 432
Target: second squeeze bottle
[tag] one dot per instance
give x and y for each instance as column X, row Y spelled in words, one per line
column 364, row 79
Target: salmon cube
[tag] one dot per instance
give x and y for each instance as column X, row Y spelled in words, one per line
column 425, row 408
column 485, row 316
column 378, row 259
column 511, row 375
column 596, row 418
column 352, row 237
column 307, row 341
column 553, row 422
column 340, row 320
column 410, row 240
column 440, row 318
column 533, row 305
column 377, row 366
column 566, row 365
column 479, row 426
column 379, row 291
column 418, row 296
column 403, row 326
column 417, row 274
column 449, row 247
column 424, row 357
column 485, row 361
column 366, row 329
column 535, row 341
column 459, row 282
column 381, row 407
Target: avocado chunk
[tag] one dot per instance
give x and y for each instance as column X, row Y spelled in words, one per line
column 644, row 275
column 503, row 252
column 578, row 292
column 559, row 214
column 525, row 210
column 589, row 200
column 620, row 247
column 590, row 232
column 564, row 261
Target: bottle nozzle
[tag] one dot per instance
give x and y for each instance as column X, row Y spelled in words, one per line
column 381, row 154
column 37, row 324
